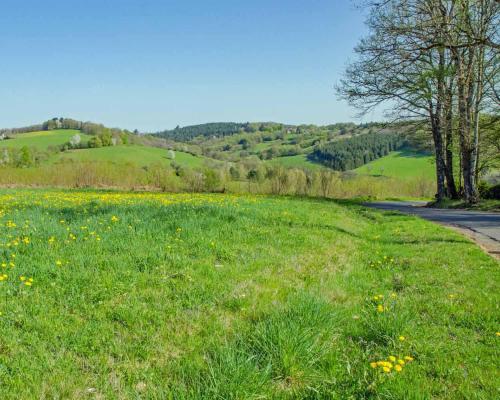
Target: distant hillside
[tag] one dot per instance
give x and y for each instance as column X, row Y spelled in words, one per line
column 356, row 151
column 402, row 164
column 341, row 146
column 87, row 127
column 217, row 129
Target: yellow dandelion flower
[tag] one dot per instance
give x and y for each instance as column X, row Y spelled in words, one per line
column 402, row 338
column 401, row 362
column 373, row 364
column 392, row 358
column 387, row 369
column 380, row 308
column 408, row 358
column 22, row 278
column 398, row 368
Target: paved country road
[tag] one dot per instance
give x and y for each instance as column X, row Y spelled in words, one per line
column 482, row 227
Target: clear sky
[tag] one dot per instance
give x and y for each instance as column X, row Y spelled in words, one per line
column 155, row 64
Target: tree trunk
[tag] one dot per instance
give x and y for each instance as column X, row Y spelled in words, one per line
column 440, row 164
column 464, row 128
column 448, row 134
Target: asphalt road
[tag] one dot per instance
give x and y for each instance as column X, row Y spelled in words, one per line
column 484, row 226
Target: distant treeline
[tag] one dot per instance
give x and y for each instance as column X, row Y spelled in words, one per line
column 218, row 129
column 354, row 152
column 211, row 129
column 90, row 128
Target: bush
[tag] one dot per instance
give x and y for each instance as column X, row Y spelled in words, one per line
column 489, row 192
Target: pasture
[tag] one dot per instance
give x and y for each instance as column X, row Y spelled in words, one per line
column 42, row 140
column 187, row 296
column 402, row 164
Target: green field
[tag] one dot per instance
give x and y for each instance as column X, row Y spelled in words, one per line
column 43, row 139
column 114, row 295
column 135, row 154
column 401, row 164
column 298, row 161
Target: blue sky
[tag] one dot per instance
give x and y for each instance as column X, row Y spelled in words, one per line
column 155, row 64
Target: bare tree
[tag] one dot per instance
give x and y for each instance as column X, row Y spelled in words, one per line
column 426, row 58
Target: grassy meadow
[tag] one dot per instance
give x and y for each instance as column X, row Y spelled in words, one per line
column 133, row 154
column 114, row 295
column 401, row 164
column 298, row 161
column 42, row 140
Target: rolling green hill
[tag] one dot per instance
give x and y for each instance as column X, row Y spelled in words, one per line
column 135, row 154
column 42, row 140
column 298, row 161
column 400, row 164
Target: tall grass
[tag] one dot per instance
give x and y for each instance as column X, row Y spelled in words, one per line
column 280, row 181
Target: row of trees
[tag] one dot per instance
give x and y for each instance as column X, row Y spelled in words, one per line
column 89, row 128
column 346, row 154
column 20, row 158
column 216, row 129
column 438, row 60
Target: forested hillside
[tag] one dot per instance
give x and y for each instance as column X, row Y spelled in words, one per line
column 356, row 151
column 216, row 129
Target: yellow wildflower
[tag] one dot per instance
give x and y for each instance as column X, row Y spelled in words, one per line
column 398, row 368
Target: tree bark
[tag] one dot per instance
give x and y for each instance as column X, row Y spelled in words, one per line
column 448, row 135
column 439, row 152
column 464, row 128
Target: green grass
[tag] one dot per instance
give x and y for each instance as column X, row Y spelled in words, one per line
column 483, row 205
column 42, row 140
column 401, row 164
column 221, row 297
column 135, row 154
column 298, row 161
